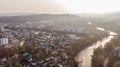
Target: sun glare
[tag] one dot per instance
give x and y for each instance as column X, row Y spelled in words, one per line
column 90, row 6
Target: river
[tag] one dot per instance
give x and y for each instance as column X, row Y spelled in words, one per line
column 85, row 56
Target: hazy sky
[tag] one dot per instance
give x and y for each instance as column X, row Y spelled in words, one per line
column 59, row 6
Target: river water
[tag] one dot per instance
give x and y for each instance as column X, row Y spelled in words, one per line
column 85, row 56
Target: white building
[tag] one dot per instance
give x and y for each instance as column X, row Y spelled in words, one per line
column 1, row 28
column 3, row 41
column 72, row 36
column 19, row 44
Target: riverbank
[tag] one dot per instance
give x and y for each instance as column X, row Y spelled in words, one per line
column 85, row 56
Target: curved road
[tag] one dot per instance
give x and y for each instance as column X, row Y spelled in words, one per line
column 85, row 56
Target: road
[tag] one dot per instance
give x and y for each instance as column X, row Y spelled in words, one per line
column 85, row 56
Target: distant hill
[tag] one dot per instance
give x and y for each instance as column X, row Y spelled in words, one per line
column 23, row 17
column 14, row 14
column 62, row 19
